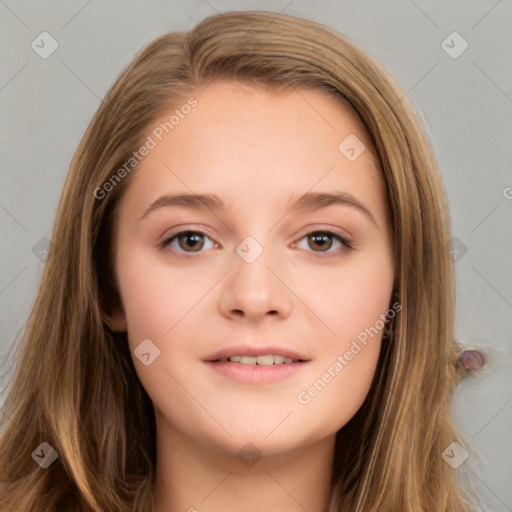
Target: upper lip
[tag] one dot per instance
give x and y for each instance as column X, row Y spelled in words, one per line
column 255, row 350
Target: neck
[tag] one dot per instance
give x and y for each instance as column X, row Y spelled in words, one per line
column 196, row 478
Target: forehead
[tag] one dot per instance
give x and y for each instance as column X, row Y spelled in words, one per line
column 302, row 111
column 249, row 145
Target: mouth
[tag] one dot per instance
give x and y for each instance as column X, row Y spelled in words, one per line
column 260, row 355
column 260, row 360
column 256, row 365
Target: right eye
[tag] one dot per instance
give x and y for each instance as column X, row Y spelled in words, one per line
column 187, row 241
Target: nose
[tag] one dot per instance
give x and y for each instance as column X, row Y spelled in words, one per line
column 257, row 290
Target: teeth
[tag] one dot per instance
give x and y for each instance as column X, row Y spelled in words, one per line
column 265, row 360
column 248, row 359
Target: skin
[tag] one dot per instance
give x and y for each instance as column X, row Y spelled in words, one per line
column 255, row 149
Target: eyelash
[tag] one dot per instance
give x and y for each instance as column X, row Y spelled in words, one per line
column 164, row 244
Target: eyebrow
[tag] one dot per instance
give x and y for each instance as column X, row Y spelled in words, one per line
column 310, row 201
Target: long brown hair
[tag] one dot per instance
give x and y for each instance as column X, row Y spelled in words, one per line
column 74, row 385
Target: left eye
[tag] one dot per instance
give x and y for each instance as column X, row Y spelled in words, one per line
column 322, row 241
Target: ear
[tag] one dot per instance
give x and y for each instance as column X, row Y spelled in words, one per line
column 117, row 321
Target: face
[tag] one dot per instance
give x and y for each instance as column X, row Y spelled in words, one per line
column 254, row 312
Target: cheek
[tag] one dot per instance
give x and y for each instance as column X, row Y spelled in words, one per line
column 353, row 306
column 332, row 398
column 352, row 300
column 158, row 304
column 155, row 296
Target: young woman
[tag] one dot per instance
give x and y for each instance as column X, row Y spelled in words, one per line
column 249, row 300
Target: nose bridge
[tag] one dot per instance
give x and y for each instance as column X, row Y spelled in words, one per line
column 252, row 288
column 252, row 276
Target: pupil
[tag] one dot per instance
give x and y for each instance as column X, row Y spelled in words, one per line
column 192, row 241
column 322, row 241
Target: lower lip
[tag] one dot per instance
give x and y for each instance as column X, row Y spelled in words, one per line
column 256, row 374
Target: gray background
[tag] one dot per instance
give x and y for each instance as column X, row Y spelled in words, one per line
column 464, row 102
